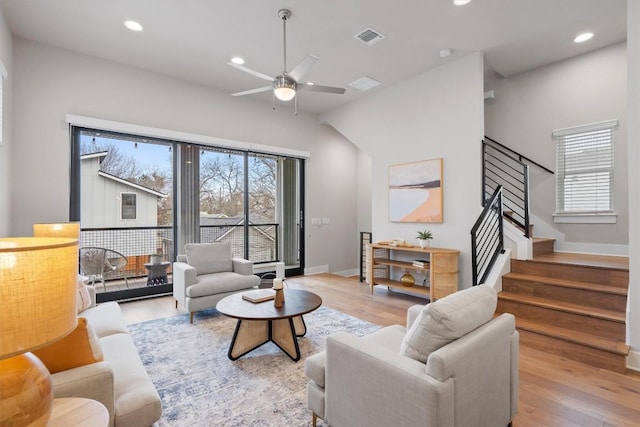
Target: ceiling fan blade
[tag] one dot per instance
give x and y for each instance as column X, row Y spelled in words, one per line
column 252, row 72
column 303, row 67
column 249, row 92
column 320, row 88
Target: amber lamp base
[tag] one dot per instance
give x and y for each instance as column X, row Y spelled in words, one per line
column 26, row 394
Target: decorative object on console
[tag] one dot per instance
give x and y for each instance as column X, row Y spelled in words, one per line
column 415, row 191
column 38, row 285
column 424, row 238
column 407, row 279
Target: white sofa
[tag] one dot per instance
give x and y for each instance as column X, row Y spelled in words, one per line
column 120, row 382
column 208, row 273
column 471, row 380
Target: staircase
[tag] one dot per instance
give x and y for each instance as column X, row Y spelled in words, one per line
column 571, row 305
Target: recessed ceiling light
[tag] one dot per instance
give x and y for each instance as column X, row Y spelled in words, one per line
column 310, row 83
column 237, row 60
column 583, row 37
column 133, row 25
column 445, row 53
column 461, row 2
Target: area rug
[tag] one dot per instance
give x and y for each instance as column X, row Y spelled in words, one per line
column 200, row 386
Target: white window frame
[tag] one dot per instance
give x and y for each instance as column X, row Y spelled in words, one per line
column 3, row 77
column 567, row 136
column 122, row 206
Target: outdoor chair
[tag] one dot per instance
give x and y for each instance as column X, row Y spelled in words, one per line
column 96, row 262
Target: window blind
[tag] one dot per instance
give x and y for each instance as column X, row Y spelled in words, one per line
column 585, row 168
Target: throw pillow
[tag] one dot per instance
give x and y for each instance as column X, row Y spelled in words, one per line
column 448, row 319
column 209, row 257
column 81, row 347
column 84, row 298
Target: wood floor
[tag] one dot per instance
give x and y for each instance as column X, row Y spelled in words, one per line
column 554, row 391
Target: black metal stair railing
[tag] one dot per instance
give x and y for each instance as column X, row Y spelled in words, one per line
column 503, row 167
column 487, row 239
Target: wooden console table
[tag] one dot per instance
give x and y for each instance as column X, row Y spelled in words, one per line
column 441, row 270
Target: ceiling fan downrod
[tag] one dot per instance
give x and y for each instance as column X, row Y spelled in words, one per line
column 284, row 14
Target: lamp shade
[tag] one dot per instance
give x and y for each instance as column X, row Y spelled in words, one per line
column 38, row 282
column 62, row 229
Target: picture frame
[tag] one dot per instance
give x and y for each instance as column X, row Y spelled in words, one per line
column 415, row 192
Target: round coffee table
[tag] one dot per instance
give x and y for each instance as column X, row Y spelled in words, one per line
column 259, row 323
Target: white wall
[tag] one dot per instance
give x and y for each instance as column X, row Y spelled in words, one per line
column 51, row 83
column 528, row 107
column 6, row 56
column 435, row 114
column 364, row 191
column 633, row 106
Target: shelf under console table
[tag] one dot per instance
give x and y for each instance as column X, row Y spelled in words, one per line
column 440, row 267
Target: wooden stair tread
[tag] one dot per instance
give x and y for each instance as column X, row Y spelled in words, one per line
column 542, row 239
column 585, row 260
column 574, row 284
column 583, row 338
column 563, row 306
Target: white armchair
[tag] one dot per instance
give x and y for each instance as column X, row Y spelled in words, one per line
column 208, row 273
column 470, row 377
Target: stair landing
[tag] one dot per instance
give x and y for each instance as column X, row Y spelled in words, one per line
column 589, row 260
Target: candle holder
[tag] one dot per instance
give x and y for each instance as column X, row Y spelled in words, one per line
column 277, row 286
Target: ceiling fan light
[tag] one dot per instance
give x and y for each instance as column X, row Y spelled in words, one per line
column 284, row 88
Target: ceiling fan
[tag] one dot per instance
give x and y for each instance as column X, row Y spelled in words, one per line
column 286, row 85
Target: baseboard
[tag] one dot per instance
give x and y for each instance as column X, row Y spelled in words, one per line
column 316, row 270
column 633, row 360
column 348, row 273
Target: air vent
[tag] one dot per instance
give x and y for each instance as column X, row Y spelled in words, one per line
column 364, row 83
column 369, row 36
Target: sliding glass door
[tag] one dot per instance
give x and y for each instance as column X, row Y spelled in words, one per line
column 125, row 209
column 142, row 196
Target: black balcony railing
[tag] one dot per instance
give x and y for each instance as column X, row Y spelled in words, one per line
column 139, row 243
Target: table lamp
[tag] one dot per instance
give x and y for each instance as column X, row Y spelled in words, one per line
column 63, row 229
column 38, row 278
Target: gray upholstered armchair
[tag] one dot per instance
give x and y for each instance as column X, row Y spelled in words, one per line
column 470, row 377
column 208, row 273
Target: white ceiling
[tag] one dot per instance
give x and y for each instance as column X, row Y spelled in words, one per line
column 194, row 39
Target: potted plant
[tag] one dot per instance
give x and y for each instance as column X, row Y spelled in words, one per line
column 424, row 238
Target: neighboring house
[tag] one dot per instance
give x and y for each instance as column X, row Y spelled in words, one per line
column 109, row 201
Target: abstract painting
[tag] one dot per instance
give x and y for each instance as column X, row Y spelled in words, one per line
column 415, row 191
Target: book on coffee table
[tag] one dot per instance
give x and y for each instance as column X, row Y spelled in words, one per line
column 260, row 295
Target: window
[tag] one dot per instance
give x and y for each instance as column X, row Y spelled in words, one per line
column 128, row 205
column 584, row 183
